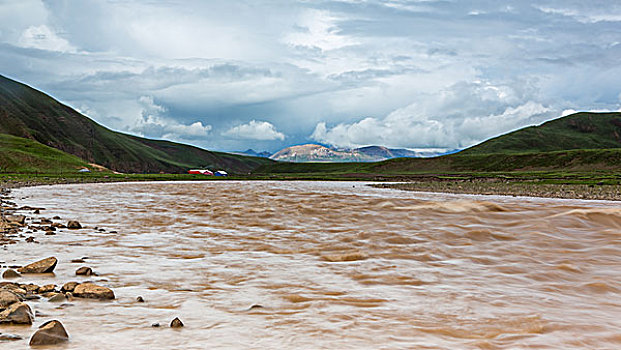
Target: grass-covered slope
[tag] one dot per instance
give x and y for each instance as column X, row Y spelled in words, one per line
column 579, row 142
column 576, row 131
column 19, row 155
column 31, row 114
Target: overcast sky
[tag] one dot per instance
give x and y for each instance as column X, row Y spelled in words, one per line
column 231, row 75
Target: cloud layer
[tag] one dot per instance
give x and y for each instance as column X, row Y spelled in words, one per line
column 400, row 73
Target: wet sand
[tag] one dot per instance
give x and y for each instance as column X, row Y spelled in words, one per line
column 328, row 265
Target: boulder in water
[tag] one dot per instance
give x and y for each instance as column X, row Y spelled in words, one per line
column 68, row 287
column 57, row 298
column 9, row 337
column 7, row 298
column 92, row 291
column 17, row 313
column 10, row 273
column 51, row 332
column 74, row 225
column 84, row 271
column 47, row 288
column 176, row 323
column 42, row 266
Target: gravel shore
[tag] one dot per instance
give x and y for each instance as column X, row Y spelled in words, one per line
column 568, row 191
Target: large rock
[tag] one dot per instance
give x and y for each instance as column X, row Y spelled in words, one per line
column 7, row 298
column 49, row 333
column 10, row 273
column 18, row 313
column 41, row 266
column 92, row 291
column 74, row 225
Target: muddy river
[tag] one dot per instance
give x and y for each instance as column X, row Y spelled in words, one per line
column 336, row 265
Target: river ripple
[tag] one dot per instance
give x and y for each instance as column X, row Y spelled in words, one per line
column 334, row 265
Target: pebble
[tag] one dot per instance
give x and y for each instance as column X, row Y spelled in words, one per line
column 74, row 225
column 9, row 337
column 84, row 271
column 176, row 323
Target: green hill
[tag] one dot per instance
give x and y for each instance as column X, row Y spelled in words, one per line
column 31, row 114
column 576, row 131
column 19, row 155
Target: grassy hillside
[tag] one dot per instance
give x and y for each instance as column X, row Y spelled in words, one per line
column 576, row 131
column 19, row 155
column 580, row 142
column 31, row 114
column 574, row 160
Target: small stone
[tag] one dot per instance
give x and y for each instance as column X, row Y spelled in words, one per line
column 42, row 266
column 30, row 239
column 51, row 332
column 56, row 217
column 32, row 288
column 73, row 225
column 9, row 337
column 77, row 261
column 92, row 291
column 140, row 299
column 17, row 313
column 256, row 306
column 50, row 233
column 7, row 299
column 58, row 298
column 36, row 211
column 84, row 271
column 46, row 288
column 16, row 219
column 155, row 325
column 176, row 323
column 10, row 273
column 68, row 287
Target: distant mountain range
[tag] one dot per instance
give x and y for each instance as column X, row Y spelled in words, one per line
column 319, row 153
column 578, row 142
column 253, row 153
column 30, row 114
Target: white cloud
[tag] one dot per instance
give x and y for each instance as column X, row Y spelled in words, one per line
column 584, row 15
column 153, row 124
column 255, row 130
column 318, row 29
column 458, row 117
column 43, row 38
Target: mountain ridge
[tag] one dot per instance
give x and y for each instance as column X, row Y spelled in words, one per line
column 318, row 153
column 29, row 113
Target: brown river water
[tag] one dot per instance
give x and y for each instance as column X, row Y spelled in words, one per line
column 334, row 265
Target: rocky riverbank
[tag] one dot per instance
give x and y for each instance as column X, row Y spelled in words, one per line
column 18, row 296
column 528, row 189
